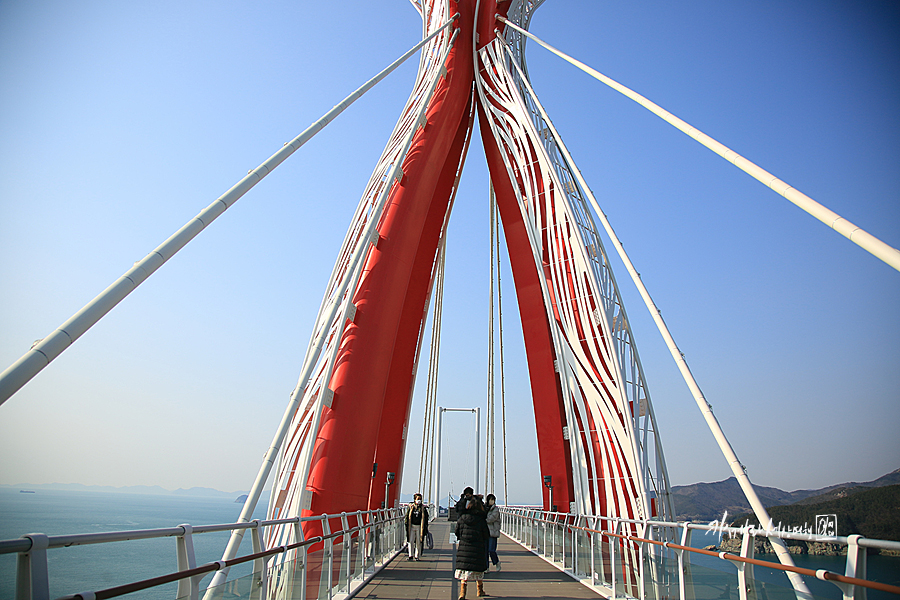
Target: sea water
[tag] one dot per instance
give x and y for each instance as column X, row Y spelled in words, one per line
column 100, row 566
column 880, row 568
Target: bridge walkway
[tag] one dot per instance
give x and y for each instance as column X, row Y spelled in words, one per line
column 523, row 575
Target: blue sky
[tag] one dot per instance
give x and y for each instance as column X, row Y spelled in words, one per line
column 121, row 121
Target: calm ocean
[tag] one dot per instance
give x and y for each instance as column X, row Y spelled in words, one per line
column 101, row 566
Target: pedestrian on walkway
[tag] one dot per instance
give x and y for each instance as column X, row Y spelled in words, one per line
column 492, row 517
column 471, row 559
column 416, row 526
column 464, row 498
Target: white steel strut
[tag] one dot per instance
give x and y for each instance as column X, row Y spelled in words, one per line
column 47, row 349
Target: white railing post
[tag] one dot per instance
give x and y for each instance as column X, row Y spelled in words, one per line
column 593, row 553
column 553, row 539
column 345, row 553
column 532, row 534
column 560, row 527
column 301, row 557
column 360, row 546
column 612, row 558
column 328, row 549
column 745, row 570
column 525, row 528
column 303, row 571
column 641, row 573
column 543, row 535
column 600, row 563
column 370, row 545
column 575, row 544
column 387, row 542
column 261, row 580
column 395, row 532
column 379, row 536
column 683, row 562
column 185, row 559
column 32, row 577
column 856, row 567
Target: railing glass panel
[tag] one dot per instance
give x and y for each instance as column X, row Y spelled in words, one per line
column 583, row 552
column 559, row 538
column 357, row 551
column 660, row 574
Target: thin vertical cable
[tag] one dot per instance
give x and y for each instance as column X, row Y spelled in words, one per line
column 502, row 372
column 488, row 483
column 431, row 402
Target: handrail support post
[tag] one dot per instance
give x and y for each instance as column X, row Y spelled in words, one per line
column 684, row 562
column 745, row 570
column 260, row 571
column 856, row 567
column 32, row 576
column 186, row 559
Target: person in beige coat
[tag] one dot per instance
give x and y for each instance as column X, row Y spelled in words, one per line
column 416, row 526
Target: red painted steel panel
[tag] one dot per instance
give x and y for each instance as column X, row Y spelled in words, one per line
column 373, row 373
column 549, row 410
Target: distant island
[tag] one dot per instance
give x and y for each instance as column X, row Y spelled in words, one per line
column 870, row 509
column 152, row 490
column 869, row 512
column 705, row 502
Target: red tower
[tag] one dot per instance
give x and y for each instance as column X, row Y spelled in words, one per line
column 589, row 396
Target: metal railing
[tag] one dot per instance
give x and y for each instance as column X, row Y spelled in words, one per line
column 625, row 558
column 334, row 564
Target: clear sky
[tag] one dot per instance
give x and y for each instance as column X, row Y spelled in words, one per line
column 121, row 121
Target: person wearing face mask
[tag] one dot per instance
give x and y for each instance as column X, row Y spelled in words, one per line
column 463, row 501
column 416, row 526
column 492, row 517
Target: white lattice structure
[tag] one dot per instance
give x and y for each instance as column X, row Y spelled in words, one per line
column 618, row 467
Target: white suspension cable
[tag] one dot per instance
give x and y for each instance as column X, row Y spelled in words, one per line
column 705, row 408
column 41, row 354
column 502, row 372
column 489, row 434
column 423, row 452
column 855, row 234
column 433, row 364
column 440, row 296
column 439, row 311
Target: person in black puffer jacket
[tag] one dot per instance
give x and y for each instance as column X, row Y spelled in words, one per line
column 472, row 532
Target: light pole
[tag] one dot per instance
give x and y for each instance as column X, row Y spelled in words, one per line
column 548, row 481
column 387, row 487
